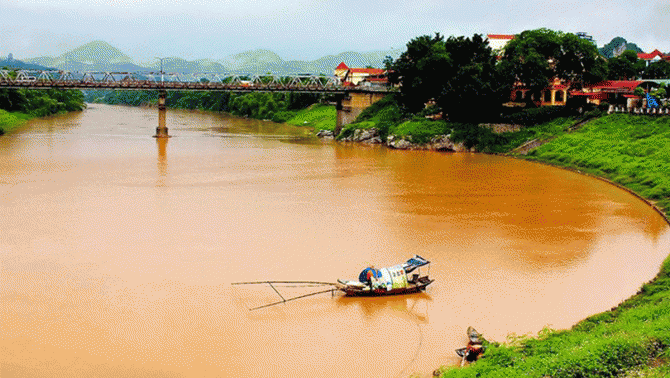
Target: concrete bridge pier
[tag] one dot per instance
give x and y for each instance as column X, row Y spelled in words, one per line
column 351, row 104
column 339, row 111
column 161, row 130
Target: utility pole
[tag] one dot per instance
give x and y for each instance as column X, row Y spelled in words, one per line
column 161, row 60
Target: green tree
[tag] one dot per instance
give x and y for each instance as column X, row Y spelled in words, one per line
column 420, row 71
column 626, row 66
column 657, row 70
column 459, row 74
column 536, row 57
column 474, row 88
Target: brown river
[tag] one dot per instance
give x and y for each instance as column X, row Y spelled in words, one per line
column 118, row 250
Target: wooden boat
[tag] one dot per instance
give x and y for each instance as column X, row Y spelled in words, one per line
column 404, row 278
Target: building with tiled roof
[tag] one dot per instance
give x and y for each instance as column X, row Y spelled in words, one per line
column 354, row 76
column 653, row 57
column 497, row 42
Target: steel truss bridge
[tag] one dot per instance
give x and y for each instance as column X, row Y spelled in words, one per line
column 54, row 79
column 163, row 82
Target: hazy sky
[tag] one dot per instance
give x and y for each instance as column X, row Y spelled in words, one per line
column 306, row 30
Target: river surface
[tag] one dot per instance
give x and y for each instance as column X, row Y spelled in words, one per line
column 118, row 250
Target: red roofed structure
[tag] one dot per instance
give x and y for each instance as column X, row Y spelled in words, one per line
column 355, row 76
column 653, row 56
column 497, row 42
column 341, row 66
column 612, row 91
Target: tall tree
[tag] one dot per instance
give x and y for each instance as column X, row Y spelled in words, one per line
column 420, row 70
column 657, row 70
column 626, row 66
column 459, row 74
column 474, row 88
column 537, row 57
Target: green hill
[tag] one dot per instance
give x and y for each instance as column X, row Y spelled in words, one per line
column 609, row 49
column 101, row 56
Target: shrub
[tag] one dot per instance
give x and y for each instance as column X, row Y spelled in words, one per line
column 283, row 116
column 534, row 116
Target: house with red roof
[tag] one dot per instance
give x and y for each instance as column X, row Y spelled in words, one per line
column 360, row 76
column 653, row 57
column 497, row 42
column 616, row 92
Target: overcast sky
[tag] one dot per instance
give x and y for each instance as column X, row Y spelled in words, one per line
column 306, row 30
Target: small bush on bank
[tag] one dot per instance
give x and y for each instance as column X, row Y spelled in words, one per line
column 535, row 116
column 317, row 117
column 383, row 115
column 283, row 116
column 420, row 129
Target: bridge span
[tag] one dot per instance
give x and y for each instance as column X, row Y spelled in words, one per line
column 350, row 100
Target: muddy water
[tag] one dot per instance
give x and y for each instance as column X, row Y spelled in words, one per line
column 118, row 250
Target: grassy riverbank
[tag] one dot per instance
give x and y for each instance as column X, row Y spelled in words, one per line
column 317, row 116
column 11, row 121
column 632, row 340
column 19, row 105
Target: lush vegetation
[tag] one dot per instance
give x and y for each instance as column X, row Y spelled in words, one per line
column 537, row 57
column 458, row 74
column 18, row 105
column 632, row 340
column 279, row 107
column 317, row 117
column 633, row 151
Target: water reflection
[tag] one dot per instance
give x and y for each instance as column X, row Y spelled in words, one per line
column 413, row 306
column 162, row 143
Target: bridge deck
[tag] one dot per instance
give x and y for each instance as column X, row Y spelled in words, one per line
column 181, row 82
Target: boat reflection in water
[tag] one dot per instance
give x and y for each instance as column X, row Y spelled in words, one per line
column 412, row 306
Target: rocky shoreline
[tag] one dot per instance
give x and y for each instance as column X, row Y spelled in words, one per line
column 372, row 136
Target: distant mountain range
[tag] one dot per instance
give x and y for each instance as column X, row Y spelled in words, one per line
column 13, row 63
column 101, row 56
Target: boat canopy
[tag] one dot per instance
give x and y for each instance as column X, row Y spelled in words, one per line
column 363, row 276
column 415, row 262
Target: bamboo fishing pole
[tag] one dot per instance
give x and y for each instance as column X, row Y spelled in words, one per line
column 290, row 299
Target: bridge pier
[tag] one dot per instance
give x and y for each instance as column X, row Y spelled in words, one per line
column 161, row 130
column 351, row 105
column 339, row 118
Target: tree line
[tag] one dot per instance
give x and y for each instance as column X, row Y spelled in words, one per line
column 276, row 106
column 17, row 105
column 466, row 79
column 40, row 103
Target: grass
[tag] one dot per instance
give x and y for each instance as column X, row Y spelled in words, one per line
column 317, row 116
column 10, row 121
column 633, row 339
column 633, row 151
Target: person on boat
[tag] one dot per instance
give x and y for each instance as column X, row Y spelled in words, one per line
column 370, row 277
column 474, row 349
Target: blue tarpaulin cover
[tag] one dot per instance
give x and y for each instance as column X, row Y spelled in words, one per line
column 414, row 263
column 410, row 265
column 363, row 277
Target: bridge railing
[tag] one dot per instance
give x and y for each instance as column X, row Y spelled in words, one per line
column 35, row 79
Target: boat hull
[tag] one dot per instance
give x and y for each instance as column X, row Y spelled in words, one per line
column 367, row 292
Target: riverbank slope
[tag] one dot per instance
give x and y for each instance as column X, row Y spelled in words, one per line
column 632, row 339
column 10, row 121
column 20, row 105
